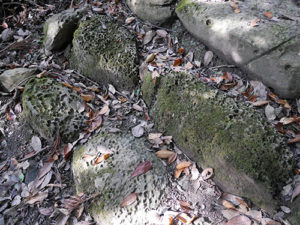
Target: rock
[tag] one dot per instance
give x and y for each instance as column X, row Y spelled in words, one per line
column 7, row 35
column 106, row 52
column 294, row 217
column 268, row 52
column 10, row 79
column 60, row 27
column 154, row 11
column 48, row 107
column 111, row 178
column 249, row 157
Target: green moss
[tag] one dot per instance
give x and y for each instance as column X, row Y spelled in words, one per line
column 106, row 52
column 218, row 132
column 149, row 89
column 182, row 5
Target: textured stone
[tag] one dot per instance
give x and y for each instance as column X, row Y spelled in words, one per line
column 153, row 11
column 268, row 52
column 112, row 179
column 106, row 52
column 60, row 27
column 249, row 157
column 10, row 79
column 48, row 107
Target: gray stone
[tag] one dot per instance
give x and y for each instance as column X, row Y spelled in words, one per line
column 153, row 11
column 7, row 35
column 111, row 178
column 48, row 107
column 249, row 157
column 10, row 79
column 60, row 27
column 268, row 52
column 106, row 52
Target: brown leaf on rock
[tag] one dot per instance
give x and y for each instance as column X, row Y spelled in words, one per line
column 130, row 199
column 207, row 173
column 129, row 20
column 67, row 84
column 172, row 158
column 153, row 136
column 227, row 204
column 226, row 87
column 260, row 103
column 234, row 6
column 268, row 14
column 101, row 158
column 104, row 110
column 45, row 169
column 150, row 58
column 177, row 62
column 254, row 23
column 177, row 173
column 142, row 168
column 239, row 220
column 164, row 154
column 294, row 140
column 185, row 205
column 86, row 97
column 181, row 51
column 183, row 165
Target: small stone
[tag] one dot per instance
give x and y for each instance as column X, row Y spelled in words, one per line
column 285, row 209
column 7, row 35
column 16, row 200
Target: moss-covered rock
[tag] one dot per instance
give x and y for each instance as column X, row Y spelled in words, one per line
column 249, row 156
column 106, row 52
column 49, row 107
column 112, row 178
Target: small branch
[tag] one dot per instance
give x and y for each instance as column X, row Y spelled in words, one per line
column 47, row 147
column 221, row 66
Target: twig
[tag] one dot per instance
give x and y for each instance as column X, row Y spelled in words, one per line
column 56, row 185
column 221, row 66
column 47, row 147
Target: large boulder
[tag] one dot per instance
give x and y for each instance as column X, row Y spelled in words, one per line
column 60, row 27
column 48, row 107
column 268, row 52
column 10, row 79
column 106, row 52
column 154, row 11
column 248, row 155
column 111, row 178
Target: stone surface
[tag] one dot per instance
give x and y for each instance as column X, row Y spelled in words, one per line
column 112, row 179
column 48, row 107
column 153, row 11
column 106, row 52
column 10, row 79
column 60, row 27
column 249, row 157
column 294, row 217
column 268, row 52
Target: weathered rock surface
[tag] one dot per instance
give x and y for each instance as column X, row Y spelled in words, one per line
column 48, row 107
column 106, row 52
column 60, row 27
column 268, row 52
column 112, row 179
column 248, row 155
column 153, row 11
column 10, row 79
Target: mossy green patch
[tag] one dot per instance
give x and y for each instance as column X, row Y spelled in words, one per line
column 106, row 52
column 247, row 153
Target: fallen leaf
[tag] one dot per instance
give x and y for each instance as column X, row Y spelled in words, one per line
column 137, row 107
column 255, row 214
column 46, row 211
column 254, row 23
column 45, row 169
column 18, row 108
column 129, row 20
column 226, row 87
column 164, row 154
column 111, row 89
column 137, row 131
column 227, row 204
column 131, row 198
column 234, row 6
column 260, row 103
column 172, row 158
column 177, row 62
column 148, row 37
column 67, row 84
column 287, row 120
column 284, row 103
column 239, row 220
column 162, row 33
column 36, row 143
column 294, row 140
column 10, row 115
column 268, row 14
column 208, row 57
column 38, row 197
column 279, row 127
column 86, row 98
column 142, row 168
column 185, row 205
column 183, row 165
column 152, row 136
column 267, row 221
column 150, row 57
column 270, row 112
column 101, row 158
column 177, row 173
column 104, row 110
column 68, row 150
column 189, row 66
column 181, row 51
column 4, row 25
column 207, row 173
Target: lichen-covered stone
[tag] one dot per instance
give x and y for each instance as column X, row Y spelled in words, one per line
column 232, row 37
column 10, row 79
column 154, row 11
column 111, row 178
column 106, row 52
column 248, row 155
column 60, row 27
column 48, row 107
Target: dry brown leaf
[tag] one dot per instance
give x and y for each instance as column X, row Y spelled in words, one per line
column 234, row 6
column 208, row 57
column 287, row 120
column 260, row 103
column 38, row 197
column 172, row 158
column 45, row 169
column 162, row 33
column 142, row 168
column 129, row 20
column 164, row 154
column 254, row 23
column 181, row 51
column 150, row 57
column 86, row 97
column 104, row 110
column 137, row 107
column 177, row 173
column 130, row 199
column 67, row 84
column 227, row 204
column 268, row 14
column 153, row 136
column 185, row 205
column 177, row 62
column 239, row 220
column 207, row 173
column 294, row 140
column 183, row 165
column 101, row 158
